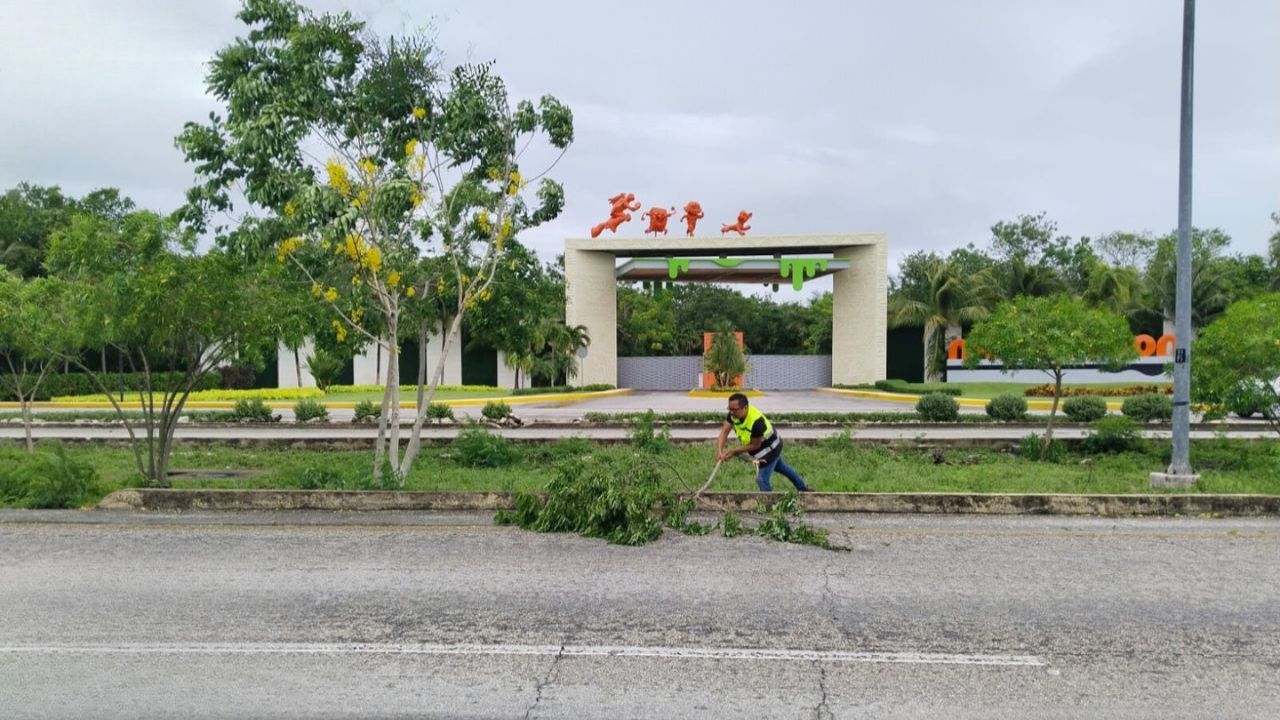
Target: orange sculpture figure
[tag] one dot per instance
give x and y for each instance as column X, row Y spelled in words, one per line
column 658, row 218
column 618, row 206
column 741, row 227
column 692, row 214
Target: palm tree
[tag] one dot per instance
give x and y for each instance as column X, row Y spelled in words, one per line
column 941, row 300
column 1017, row 278
column 1117, row 289
column 563, row 342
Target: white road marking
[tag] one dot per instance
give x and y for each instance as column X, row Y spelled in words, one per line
column 623, row 651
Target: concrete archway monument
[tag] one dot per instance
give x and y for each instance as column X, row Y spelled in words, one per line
column 857, row 262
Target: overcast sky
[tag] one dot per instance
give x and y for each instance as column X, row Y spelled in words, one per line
column 928, row 121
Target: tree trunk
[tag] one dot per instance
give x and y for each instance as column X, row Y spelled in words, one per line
column 297, row 365
column 25, row 403
column 423, row 338
column 415, row 435
column 930, row 340
column 1053, row 412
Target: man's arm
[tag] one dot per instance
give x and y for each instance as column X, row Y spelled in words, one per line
column 724, row 435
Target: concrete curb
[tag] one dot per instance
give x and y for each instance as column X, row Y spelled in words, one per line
column 179, row 500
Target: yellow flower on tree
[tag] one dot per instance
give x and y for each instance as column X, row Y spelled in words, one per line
column 411, row 292
column 289, row 209
column 316, row 289
column 338, row 178
column 368, row 167
column 419, row 112
column 331, row 295
column 411, row 148
column 287, row 247
column 339, row 330
column 393, row 280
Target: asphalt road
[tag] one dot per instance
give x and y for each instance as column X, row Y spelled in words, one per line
column 314, row 615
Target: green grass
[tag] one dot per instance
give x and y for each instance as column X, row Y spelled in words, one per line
column 1226, row 466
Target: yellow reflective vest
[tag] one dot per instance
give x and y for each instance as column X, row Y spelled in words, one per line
column 770, row 443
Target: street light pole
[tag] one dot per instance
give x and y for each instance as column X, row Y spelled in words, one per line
column 1179, row 472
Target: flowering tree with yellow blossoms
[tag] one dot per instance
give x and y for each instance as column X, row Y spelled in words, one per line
column 388, row 182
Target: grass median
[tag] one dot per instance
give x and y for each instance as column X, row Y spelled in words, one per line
column 834, row 465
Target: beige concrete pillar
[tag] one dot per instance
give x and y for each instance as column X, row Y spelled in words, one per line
column 591, row 300
column 859, row 332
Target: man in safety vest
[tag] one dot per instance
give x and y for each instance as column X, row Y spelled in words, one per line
column 760, row 443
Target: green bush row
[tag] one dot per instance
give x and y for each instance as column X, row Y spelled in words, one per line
column 63, row 384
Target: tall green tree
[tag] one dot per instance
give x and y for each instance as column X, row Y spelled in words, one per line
column 646, row 323
column 380, row 164
column 30, row 214
column 30, row 338
column 1211, row 289
column 1050, row 334
column 941, row 299
column 1239, row 355
column 141, row 289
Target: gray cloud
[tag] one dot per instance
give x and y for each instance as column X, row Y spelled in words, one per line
column 928, row 121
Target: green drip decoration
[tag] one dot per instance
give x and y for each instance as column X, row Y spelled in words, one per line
column 798, row 268
column 675, row 266
column 729, row 262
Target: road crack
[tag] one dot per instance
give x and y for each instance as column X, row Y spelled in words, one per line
column 544, row 682
column 822, row 711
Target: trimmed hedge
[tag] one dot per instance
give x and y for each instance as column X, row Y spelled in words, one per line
column 902, row 386
column 938, row 407
column 74, row 384
column 1007, row 407
column 1145, row 408
column 1084, row 409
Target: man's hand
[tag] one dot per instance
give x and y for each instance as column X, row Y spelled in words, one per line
column 724, row 456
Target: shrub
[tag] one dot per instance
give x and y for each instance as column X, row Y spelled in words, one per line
column 1248, row 399
column 937, row 407
column 325, row 367
column 441, row 411
column 251, row 410
column 1085, row 409
column 237, row 377
column 1007, row 407
column 725, row 359
column 45, row 480
column 647, row 435
column 76, row 384
column 494, row 410
column 477, row 447
column 308, row 410
column 1031, row 446
column 1114, row 434
column 596, row 496
column 367, row 410
column 1145, row 408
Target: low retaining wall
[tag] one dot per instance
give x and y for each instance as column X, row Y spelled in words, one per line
column 174, row 500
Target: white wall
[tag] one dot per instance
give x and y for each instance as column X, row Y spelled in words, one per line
column 286, row 369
